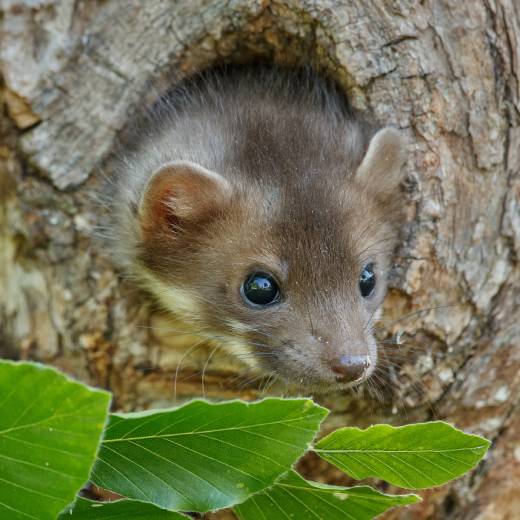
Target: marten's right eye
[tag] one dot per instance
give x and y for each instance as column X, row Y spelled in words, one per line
column 260, row 290
column 367, row 281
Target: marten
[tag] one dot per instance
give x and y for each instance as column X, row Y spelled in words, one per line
column 262, row 210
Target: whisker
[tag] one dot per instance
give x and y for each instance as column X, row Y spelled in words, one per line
column 273, row 380
column 250, row 381
column 218, row 347
column 187, row 353
column 416, row 313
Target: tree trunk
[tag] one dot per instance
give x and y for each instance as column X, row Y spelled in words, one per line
column 446, row 71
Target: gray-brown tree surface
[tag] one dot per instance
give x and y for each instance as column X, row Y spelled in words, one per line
column 445, row 71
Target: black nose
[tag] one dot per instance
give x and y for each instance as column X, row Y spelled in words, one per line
column 350, row 368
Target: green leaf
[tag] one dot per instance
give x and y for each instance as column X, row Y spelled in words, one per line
column 50, row 429
column 293, row 497
column 124, row 509
column 204, row 456
column 416, row 456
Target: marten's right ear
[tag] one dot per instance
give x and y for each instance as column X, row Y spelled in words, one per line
column 381, row 168
column 180, row 194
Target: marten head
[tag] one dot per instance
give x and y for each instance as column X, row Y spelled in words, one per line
column 288, row 267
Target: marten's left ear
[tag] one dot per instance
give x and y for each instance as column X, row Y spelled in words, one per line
column 381, row 168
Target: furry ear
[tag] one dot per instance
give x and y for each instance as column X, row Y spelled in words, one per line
column 381, row 167
column 180, row 194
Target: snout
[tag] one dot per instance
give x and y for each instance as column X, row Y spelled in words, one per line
column 351, row 368
column 349, row 361
column 323, row 363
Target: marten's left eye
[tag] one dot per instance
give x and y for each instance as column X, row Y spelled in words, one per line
column 367, row 281
column 260, row 289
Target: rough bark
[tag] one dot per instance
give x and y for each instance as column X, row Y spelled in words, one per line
column 448, row 72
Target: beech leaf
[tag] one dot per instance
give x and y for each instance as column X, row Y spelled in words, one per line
column 84, row 509
column 293, row 497
column 204, row 456
column 50, row 429
column 416, row 456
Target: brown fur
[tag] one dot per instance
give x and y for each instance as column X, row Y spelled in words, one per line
column 307, row 202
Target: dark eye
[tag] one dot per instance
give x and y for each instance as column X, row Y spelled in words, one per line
column 367, row 281
column 260, row 289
